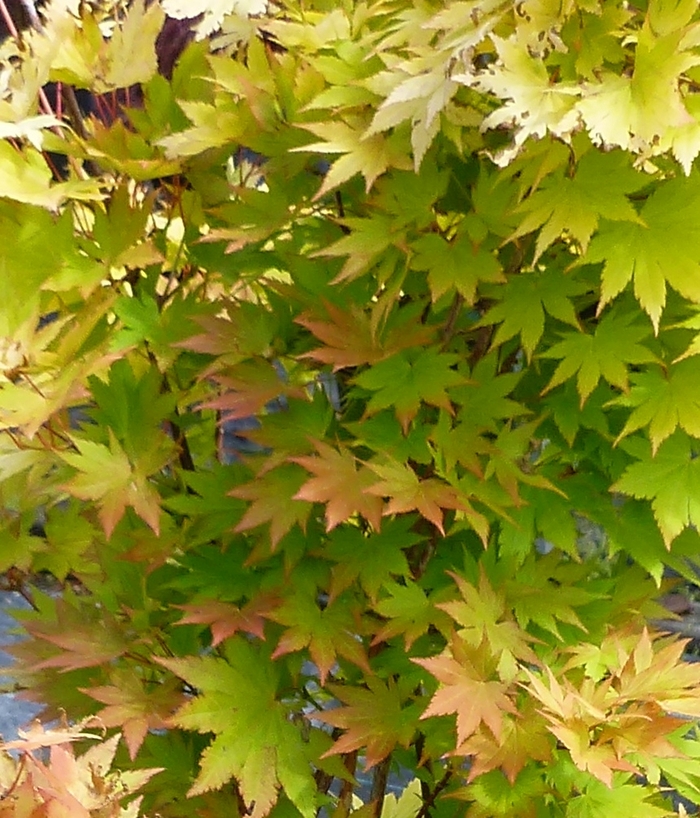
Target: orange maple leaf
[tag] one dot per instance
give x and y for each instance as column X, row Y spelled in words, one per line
column 464, row 692
column 340, row 485
column 225, row 618
column 134, row 708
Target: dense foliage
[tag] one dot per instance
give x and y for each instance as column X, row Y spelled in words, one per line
column 349, row 383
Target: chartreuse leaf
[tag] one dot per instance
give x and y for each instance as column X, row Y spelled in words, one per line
column 457, row 265
column 662, row 250
column 106, row 475
column 663, row 399
column 521, row 305
column 607, row 354
column 238, row 696
column 575, row 205
column 670, row 479
column 371, row 156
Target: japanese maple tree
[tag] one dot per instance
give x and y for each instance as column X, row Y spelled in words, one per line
column 349, row 389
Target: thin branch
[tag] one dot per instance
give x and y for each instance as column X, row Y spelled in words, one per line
column 379, row 779
column 424, row 811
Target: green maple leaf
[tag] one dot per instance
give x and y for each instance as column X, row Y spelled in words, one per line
column 271, row 495
column 530, row 605
column 410, row 613
column 605, row 354
column 670, row 479
column 521, row 305
column 372, row 718
column 575, row 205
column 458, row 265
column 327, row 632
column 237, row 697
column 664, row 400
column 663, row 249
column 483, row 399
column 371, row 559
column 408, row 379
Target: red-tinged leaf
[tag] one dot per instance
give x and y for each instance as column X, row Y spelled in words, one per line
column 327, row 632
column 226, row 619
column 373, row 720
column 462, row 691
column 406, row 492
column 351, row 337
column 272, row 501
column 341, row 485
column 248, row 387
column 83, row 642
column 135, row 707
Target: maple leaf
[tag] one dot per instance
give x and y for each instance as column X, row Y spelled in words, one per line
column 373, row 719
column 575, row 205
column 458, row 265
column 371, row 156
column 226, row 619
column 58, row 783
column 483, row 617
column 340, row 484
column 463, row 691
column 670, row 479
column 607, row 354
column 536, row 104
column 83, row 642
column 248, row 388
column 406, row 492
column 410, row 612
column 369, row 558
column 238, row 697
column 408, row 379
column 272, row 495
column 523, row 738
column 134, row 707
column 107, row 476
column 351, row 338
column 661, row 250
column 520, row 306
column 327, row 632
column 622, row 110
column 530, row 604
column 131, row 50
column 663, row 399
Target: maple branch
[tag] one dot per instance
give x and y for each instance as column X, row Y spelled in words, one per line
column 450, row 325
column 347, row 787
column 379, row 779
column 430, row 801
